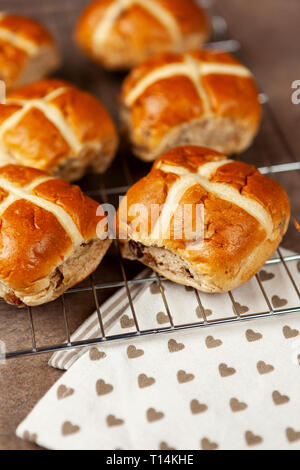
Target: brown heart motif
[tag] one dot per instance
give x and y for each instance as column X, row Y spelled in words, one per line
column 103, row 388
column 162, row 318
column 211, row 342
column 153, row 415
column 145, row 381
column 206, row 444
column 126, row 322
column 183, row 377
column 292, row 435
column 197, row 408
column 264, row 368
column 64, row 392
column 29, row 437
column 68, row 428
column 252, row 439
column 155, row 288
column 240, row 309
column 289, row 333
column 266, row 276
column 279, row 399
column 111, row 421
column 133, row 353
column 174, row 346
column 253, row 336
column 164, row 446
column 278, row 302
column 207, row 312
column 237, row 406
column 96, row 355
column 226, row 371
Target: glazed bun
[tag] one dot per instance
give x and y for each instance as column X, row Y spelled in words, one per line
column 120, row 34
column 28, row 51
column 204, row 98
column 51, row 237
column 53, row 126
column 235, row 219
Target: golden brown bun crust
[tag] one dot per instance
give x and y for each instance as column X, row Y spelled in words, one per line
column 15, row 56
column 66, row 125
column 28, row 28
column 161, row 114
column 236, row 241
column 37, row 235
column 138, row 32
column 29, row 249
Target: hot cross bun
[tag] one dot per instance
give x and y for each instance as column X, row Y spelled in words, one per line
column 54, row 126
column 51, row 237
column 204, row 98
column 120, row 34
column 28, row 51
column 236, row 217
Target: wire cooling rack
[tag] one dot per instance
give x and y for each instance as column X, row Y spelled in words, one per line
column 26, row 322
column 92, row 288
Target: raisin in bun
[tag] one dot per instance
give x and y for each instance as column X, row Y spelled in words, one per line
column 243, row 218
column 120, row 34
column 28, row 51
column 204, row 98
column 51, row 237
column 56, row 127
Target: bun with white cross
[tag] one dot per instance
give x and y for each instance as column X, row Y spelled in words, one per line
column 54, row 126
column 28, row 51
column 203, row 220
column 120, row 34
column 205, row 98
column 52, row 236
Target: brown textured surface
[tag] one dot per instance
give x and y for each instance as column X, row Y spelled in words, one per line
column 272, row 52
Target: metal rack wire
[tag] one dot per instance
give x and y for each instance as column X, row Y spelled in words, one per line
column 93, row 288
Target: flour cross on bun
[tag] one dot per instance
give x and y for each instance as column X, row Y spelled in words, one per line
column 192, row 68
column 123, row 33
column 16, row 38
column 28, row 51
column 201, row 97
column 204, row 177
column 52, row 125
column 117, row 8
column 245, row 215
column 48, row 238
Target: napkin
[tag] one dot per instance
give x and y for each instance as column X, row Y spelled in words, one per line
column 228, row 386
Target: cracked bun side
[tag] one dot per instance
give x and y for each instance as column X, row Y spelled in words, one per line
column 48, row 236
column 204, row 98
column 244, row 218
